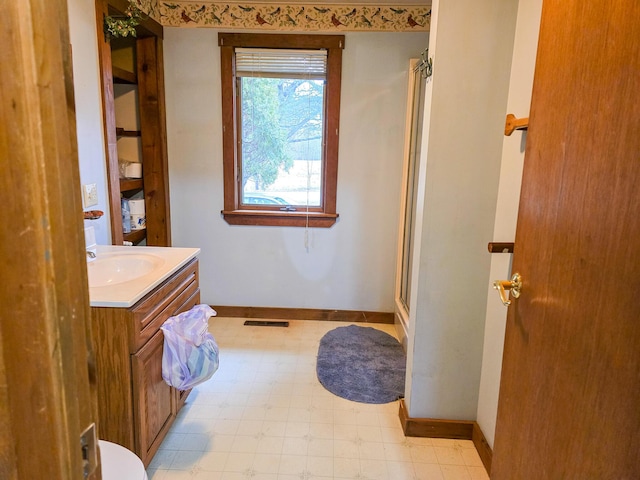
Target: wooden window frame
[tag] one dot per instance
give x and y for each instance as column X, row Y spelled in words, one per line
column 232, row 212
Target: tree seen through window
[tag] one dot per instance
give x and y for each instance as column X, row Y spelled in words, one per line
column 282, row 131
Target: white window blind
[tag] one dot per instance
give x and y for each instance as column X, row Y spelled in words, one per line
column 279, row 63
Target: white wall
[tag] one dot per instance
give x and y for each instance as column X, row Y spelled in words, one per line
column 350, row 266
column 520, row 86
column 88, row 99
column 471, row 43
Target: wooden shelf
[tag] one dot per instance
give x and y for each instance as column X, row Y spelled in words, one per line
column 500, row 247
column 136, row 236
column 128, row 184
column 123, row 76
column 121, row 132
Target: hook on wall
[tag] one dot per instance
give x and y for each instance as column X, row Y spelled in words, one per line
column 512, row 123
column 425, row 67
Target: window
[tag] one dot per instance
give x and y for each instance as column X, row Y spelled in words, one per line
column 280, row 117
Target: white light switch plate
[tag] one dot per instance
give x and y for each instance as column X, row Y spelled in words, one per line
column 90, row 195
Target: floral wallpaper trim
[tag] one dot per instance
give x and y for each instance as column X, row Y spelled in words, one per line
column 150, row 7
column 283, row 17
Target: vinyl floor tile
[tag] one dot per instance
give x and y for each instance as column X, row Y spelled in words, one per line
column 265, row 416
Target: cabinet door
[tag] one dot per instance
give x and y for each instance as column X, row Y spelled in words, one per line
column 154, row 401
column 181, row 397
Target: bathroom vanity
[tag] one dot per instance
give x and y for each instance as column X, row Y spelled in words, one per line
column 135, row 406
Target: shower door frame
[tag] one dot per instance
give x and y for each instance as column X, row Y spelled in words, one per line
column 406, row 225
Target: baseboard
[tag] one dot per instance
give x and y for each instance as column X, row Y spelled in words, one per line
column 482, row 446
column 304, row 314
column 459, row 429
column 433, row 428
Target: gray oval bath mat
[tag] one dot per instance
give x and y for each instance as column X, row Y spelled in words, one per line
column 362, row 364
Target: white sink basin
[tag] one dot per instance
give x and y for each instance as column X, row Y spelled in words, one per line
column 115, row 268
column 120, row 276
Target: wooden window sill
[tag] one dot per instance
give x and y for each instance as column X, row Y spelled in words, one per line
column 280, row 219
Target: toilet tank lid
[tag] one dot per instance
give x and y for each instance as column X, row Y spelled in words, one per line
column 119, row 463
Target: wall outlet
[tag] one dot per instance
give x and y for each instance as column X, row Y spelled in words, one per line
column 90, row 195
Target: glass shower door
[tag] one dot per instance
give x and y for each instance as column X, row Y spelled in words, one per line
column 416, row 106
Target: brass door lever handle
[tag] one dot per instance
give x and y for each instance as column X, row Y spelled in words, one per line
column 515, row 285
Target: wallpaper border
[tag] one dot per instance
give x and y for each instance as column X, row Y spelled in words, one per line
column 307, row 17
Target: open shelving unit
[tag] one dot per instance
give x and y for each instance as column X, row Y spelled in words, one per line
column 127, row 115
column 133, row 66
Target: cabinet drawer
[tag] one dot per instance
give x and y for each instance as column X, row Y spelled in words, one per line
column 167, row 300
column 173, row 308
column 191, row 302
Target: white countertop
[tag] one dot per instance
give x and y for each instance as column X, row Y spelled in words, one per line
column 125, row 292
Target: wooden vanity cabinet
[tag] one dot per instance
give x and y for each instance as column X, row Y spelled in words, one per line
column 136, row 407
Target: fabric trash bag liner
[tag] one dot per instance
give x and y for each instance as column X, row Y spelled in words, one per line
column 190, row 354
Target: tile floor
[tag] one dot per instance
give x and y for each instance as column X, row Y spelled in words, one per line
column 265, row 416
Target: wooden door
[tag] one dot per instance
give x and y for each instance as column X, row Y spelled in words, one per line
column 569, row 404
column 47, row 377
column 154, row 402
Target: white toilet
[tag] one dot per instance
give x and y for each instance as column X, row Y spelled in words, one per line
column 118, row 463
